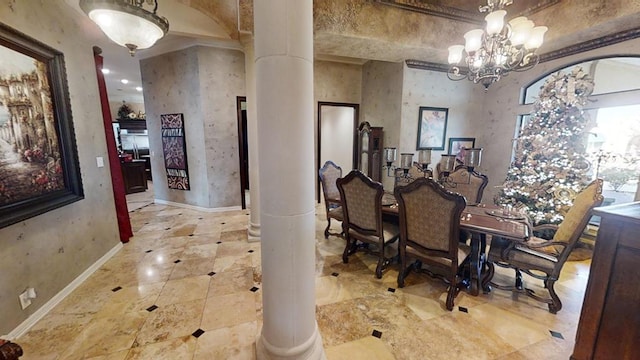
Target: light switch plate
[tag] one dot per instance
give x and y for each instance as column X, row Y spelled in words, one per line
column 100, row 161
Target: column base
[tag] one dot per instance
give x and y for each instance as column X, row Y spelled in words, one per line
column 311, row 349
column 253, row 232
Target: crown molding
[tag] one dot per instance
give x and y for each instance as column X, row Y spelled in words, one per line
column 588, row 45
column 473, row 17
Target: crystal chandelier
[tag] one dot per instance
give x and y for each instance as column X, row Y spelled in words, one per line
column 126, row 22
column 500, row 48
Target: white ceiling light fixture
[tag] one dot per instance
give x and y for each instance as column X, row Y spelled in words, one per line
column 127, row 22
column 105, row 71
column 124, row 81
column 139, row 88
column 500, row 48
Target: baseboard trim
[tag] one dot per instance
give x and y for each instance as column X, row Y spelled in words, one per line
column 198, row 208
column 56, row 299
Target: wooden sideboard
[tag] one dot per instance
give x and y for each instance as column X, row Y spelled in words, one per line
column 609, row 326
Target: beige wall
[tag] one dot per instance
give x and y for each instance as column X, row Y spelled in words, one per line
column 49, row 251
column 433, row 89
column 335, row 82
column 202, row 83
column 382, row 103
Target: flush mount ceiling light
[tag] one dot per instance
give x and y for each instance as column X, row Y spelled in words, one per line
column 500, row 48
column 127, row 22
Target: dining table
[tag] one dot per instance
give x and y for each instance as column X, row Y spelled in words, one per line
column 481, row 220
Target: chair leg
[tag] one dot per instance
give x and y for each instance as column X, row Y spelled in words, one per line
column 518, row 284
column 326, row 231
column 451, row 294
column 555, row 304
column 347, row 250
column 379, row 267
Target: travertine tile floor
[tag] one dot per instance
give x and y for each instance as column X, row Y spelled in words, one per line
column 188, row 286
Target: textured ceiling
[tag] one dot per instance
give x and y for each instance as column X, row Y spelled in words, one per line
column 355, row 31
column 396, row 30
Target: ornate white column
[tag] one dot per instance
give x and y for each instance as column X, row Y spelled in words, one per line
column 284, row 89
column 252, row 135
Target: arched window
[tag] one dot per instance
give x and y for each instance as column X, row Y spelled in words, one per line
column 613, row 145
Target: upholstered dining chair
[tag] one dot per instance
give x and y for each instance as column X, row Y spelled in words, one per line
column 543, row 259
column 362, row 209
column 429, row 232
column 329, row 173
column 469, row 184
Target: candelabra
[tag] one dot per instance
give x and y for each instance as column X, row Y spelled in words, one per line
column 406, row 162
column 449, row 163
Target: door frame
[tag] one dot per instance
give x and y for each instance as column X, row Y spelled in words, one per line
column 356, row 116
column 244, row 176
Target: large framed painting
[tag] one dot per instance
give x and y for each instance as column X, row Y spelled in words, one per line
column 432, row 128
column 39, row 169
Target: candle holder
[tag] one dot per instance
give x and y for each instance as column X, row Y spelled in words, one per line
column 424, row 159
column 389, row 157
column 406, row 161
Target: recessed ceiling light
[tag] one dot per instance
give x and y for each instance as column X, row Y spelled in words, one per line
column 139, row 88
column 105, row 71
column 124, row 81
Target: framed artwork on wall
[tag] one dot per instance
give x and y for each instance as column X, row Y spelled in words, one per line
column 39, row 169
column 174, row 148
column 457, row 146
column 432, row 128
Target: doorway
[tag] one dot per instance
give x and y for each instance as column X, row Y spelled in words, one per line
column 337, row 136
column 243, row 148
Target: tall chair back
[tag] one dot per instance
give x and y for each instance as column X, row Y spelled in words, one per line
column 362, row 209
column 469, row 184
column 329, row 173
column 430, row 230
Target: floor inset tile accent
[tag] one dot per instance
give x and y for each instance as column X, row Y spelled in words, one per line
column 391, row 290
column 211, row 273
column 223, row 223
column 116, row 288
column 151, row 308
column 254, row 289
column 250, row 251
column 148, row 251
column 556, row 334
column 219, row 242
column 198, row 333
column 377, row 334
column 177, row 261
column 334, row 274
column 463, row 309
column 190, row 234
column 168, row 228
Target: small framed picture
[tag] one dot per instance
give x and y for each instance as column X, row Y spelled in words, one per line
column 432, row 128
column 457, row 146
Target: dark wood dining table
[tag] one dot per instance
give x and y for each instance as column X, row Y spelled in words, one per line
column 480, row 220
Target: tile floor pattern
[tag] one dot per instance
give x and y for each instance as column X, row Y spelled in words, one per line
column 188, row 286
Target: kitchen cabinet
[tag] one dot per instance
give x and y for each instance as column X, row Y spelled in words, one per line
column 134, row 175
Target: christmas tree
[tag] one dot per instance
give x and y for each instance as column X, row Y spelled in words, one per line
column 550, row 166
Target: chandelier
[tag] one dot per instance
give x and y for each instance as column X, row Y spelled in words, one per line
column 500, row 48
column 127, row 22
